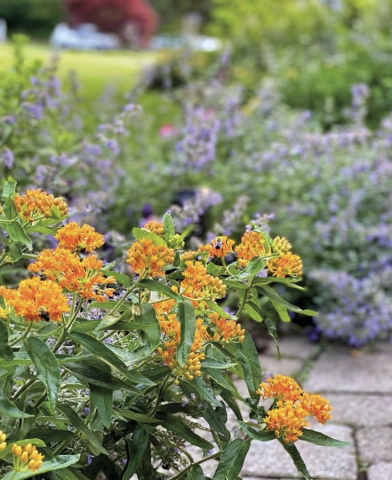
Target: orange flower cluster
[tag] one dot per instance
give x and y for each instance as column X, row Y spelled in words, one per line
column 36, row 300
column 145, row 256
column 287, row 421
column 218, row 247
column 165, row 306
column 37, row 204
column 251, row 246
column 27, row 456
column 226, row 330
column 155, row 227
column 79, row 239
column 293, row 406
column 198, row 284
column 171, row 329
column 286, row 265
column 75, row 274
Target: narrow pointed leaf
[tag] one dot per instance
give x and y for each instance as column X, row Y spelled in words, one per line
column 5, row 350
column 232, row 459
column 292, row 450
column 261, row 435
column 186, row 316
column 136, row 448
column 104, row 353
column 320, row 439
column 48, row 370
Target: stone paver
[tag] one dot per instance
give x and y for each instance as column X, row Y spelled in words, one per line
column 351, row 408
column 294, row 347
column 337, row 370
column 380, row 471
column 269, row 458
column 375, row 445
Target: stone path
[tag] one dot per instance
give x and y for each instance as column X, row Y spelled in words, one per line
column 359, row 386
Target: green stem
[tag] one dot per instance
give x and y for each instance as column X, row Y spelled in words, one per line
column 161, row 391
column 23, row 389
column 243, row 303
column 3, row 258
column 26, row 332
column 129, row 290
column 186, row 470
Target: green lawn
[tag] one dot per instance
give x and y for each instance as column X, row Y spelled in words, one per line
column 95, row 70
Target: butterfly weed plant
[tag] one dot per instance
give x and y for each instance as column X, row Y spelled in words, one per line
column 133, row 374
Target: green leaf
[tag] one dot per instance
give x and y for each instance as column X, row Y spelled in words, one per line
column 121, row 278
column 155, row 286
column 260, row 435
column 104, row 353
column 217, row 309
column 271, row 327
column 17, row 233
column 288, row 282
column 186, row 316
column 138, row 417
column 215, row 270
column 272, row 295
column 78, row 423
column 52, row 435
column 199, row 388
column 292, row 450
column 221, row 380
column 169, row 226
column 255, row 265
column 149, row 325
column 282, row 312
column 136, row 448
column 9, row 410
column 96, row 376
column 216, row 364
column 196, row 473
column 232, row 459
column 250, row 363
column 176, row 425
column 56, row 463
column 48, row 370
column 229, row 282
column 320, row 439
column 253, row 312
column 8, row 199
column 5, row 350
column 70, row 474
column 140, row 233
column 102, row 401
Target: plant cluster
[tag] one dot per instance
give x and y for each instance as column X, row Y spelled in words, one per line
column 115, row 373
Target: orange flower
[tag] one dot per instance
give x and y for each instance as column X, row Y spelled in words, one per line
column 171, row 328
column 287, row 421
column 78, row 239
column 293, row 406
column 37, row 204
column 155, row 227
column 287, row 264
column 198, row 284
column 167, row 305
column 26, row 456
column 190, row 255
column 75, row 274
column 37, row 300
column 226, row 330
column 218, row 247
column 144, row 255
column 317, row 406
column 280, row 387
column 252, row 245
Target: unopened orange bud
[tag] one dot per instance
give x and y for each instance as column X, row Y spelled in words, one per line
column 24, row 457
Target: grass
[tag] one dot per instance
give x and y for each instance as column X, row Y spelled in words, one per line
column 95, row 69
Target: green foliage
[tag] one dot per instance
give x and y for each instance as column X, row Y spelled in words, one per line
column 141, row 397
column 34, row 17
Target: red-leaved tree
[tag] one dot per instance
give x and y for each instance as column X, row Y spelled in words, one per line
column 115, row 16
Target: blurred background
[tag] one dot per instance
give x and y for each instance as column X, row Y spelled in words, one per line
column 223, row 112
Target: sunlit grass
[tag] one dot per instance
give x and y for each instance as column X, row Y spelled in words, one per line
column 95, row 70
